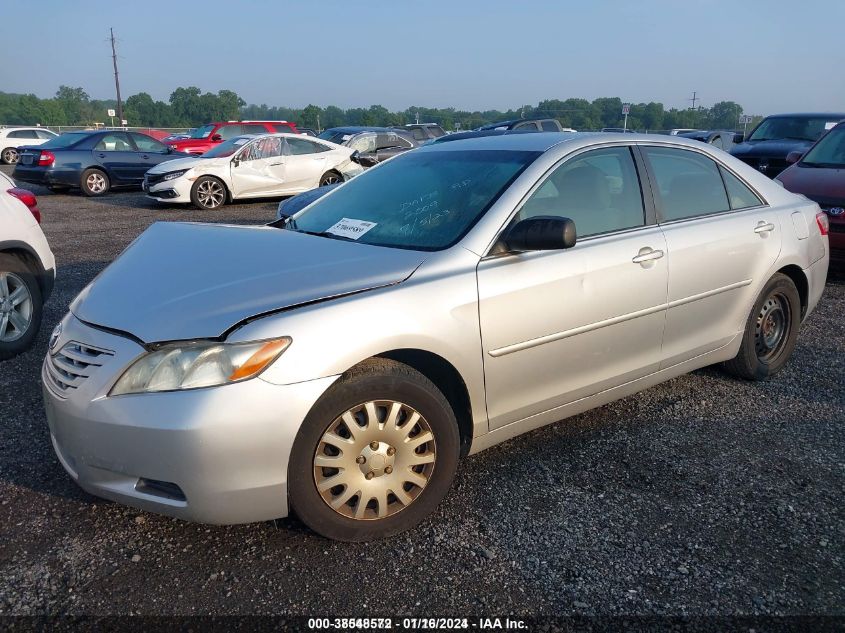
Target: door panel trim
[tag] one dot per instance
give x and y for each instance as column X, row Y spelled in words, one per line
column 709, row 293
column 557, row 336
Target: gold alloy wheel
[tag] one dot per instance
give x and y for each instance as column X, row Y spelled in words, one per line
column 374, row 460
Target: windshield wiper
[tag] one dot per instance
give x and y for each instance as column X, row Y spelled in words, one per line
column 324, row 234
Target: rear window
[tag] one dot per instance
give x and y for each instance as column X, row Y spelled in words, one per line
column 282, row 127
column 65, row 140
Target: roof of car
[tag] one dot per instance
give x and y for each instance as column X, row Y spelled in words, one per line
column 811, row 115
column 354, row 129
column 543, row 141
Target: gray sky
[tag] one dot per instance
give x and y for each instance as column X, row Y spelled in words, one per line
column 768, row 55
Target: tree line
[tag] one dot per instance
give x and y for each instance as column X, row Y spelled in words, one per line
column 190, row 107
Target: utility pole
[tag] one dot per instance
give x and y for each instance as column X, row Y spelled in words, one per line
column 318, row 124
column 116, row 78
column 417, row 114
column 694, row 99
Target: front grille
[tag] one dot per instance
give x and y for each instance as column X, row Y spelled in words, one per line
column 769, row 166
column 153, row 179
column 68, row 368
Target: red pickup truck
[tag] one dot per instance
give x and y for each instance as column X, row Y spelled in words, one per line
column 207, row 136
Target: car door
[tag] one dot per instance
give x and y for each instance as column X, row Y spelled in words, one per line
column 115, row 152
column 721, row 238
column 259, row 168
column 150, row 153
column 557, row 326
column 305, row 162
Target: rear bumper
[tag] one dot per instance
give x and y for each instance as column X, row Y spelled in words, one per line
column 817, row 278
column 836, row 239
column 45, row 176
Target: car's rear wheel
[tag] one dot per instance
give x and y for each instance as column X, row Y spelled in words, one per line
column 20, row 306
column 94, row 182
column 770, row 332
column 330, row 178
column 208, row 193
column 375, row 455
column 9, row 155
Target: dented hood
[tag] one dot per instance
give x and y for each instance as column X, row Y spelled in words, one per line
column 181, row 281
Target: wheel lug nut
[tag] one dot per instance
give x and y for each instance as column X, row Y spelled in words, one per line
column 388, row 470
column 370, row 475
column 391, row 451
column 361, row 459
column 374, row 446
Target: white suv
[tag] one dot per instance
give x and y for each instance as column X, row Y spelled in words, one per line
column 27, row 269
column 11, row 138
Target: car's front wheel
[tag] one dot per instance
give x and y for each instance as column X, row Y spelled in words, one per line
column 10, row 155
column 20, row 306
column 330, row 178
column 375, row 455
column 208, row 193
column 770, row 332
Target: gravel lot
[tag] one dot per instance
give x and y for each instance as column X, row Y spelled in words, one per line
column 704, row 495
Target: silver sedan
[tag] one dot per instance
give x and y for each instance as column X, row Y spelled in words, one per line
column 341, row 361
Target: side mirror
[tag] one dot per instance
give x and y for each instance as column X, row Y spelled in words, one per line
column 216, row 138
column 169, row 150
column 794, row 157
column 355, row 157
column 541, row 233
column 236, row 161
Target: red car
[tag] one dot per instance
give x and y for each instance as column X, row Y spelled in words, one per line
column 207, row 136
column 820, row 175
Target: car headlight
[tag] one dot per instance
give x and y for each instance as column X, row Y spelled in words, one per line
column 192, row 365
column 174, row 174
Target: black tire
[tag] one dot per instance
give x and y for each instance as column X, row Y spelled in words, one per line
column 20, row 271
column 375, row 379
column 208, row 193
column 330, row 178
column 770, row 332
column 9, row 156
column 94, row 182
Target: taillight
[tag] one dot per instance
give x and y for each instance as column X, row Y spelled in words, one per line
column 823, row 222
column 46, row 158
column 28, row 198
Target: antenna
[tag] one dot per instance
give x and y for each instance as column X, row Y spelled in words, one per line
column 116, row 78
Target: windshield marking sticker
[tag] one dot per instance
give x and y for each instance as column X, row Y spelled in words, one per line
column 351, row 228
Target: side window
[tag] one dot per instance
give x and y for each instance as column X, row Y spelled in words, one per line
column 550, row 126
column 419, row 134
column 364, row 143
column 598, row 190
column 268, row 147
column 300, row 146
column 253, row 128
column 114, row 143
column 383, row 141
column 282, row 127
column 43, row 134
column 531, row 125
column 740, row 196
column 230, row 131
column 148, row 144
column 23, row 134
column 688, row 183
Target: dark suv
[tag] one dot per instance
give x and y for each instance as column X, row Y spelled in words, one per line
column 767, row 146
column 423, row 132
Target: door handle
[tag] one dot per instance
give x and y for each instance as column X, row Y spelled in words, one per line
column 764, row 227
column 275, row 164
column 101, row 155
column 647, row 255
column 145, row 157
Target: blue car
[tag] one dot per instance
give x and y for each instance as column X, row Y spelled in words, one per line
column 94, row 161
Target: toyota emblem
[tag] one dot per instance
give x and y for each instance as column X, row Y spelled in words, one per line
column 54, row 337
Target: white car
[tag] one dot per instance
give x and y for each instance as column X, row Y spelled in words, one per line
column 27, row 269
column 251, row 166
column 11, row 138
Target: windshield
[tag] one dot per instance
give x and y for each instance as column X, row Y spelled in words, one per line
column 419, row 200
column 227, row 148
column 202, row 132
column 800, row 128
column 65, row 140
column 334, row 136
column 828, row 152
